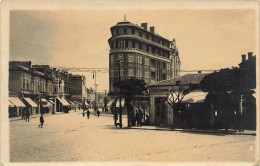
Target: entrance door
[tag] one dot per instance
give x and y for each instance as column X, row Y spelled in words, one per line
column 160, row 111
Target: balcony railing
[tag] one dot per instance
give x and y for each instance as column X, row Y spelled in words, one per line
column 139, row 50
column 143, row 39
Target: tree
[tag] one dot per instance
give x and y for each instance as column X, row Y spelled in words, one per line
column 174, row 100
column 129, row 89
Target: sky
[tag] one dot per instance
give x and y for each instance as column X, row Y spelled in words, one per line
column 207, row 39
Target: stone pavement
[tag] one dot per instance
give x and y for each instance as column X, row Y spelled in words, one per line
column 72, row 137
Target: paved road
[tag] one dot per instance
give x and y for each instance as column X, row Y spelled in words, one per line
column 72, row 137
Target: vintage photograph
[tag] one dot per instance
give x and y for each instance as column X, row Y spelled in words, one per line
column 133, row 85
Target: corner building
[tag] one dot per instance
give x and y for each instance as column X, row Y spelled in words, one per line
column 138, row 52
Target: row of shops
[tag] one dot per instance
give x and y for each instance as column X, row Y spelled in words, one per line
column 46, row 106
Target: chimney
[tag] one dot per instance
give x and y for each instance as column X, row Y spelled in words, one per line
column 199, row 72
column 144, row 25
column 250, row 54
column 243, row 57
column 152, row 29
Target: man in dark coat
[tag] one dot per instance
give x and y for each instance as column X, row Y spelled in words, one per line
column 41, row 121
column 88, row 113
column 27, row 115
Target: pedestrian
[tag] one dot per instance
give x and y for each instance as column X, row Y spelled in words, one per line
column 115, row 118
column 23, row 114
column 41, row 121
column 140, row 118
column 27, row 115
column 98, row 113
column 88, row 113
column 137, row 117
column 83, row 113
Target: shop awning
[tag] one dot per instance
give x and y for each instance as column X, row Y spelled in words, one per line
column 122, row 102
column 16, row 101
column 50, row 101
column 194, row 97
column 44, row 100
column 110, row 102
column 63, row 101
column 10, row 104
column 71, row 103
column 30, row 102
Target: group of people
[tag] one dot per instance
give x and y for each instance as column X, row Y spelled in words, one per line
column 136, row 119
column 88, row 112
column 26, row 115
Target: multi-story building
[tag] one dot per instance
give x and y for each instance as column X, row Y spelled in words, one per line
column 38, row 86
column 78, row 88
column 138, row 52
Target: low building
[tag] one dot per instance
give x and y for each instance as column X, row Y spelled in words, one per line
column 160, row 110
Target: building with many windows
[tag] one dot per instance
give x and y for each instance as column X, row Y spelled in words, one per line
column 138, row 52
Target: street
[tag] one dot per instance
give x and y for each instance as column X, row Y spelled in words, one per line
column 72, row 137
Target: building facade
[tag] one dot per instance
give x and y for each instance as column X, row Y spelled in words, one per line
column 41, row 88
column 78, row 88
column 138, row 52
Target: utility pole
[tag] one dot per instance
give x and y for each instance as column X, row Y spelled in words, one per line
column 105, row 101
column 95, row 76
column 120, row 109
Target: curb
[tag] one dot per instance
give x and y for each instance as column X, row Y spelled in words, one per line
column 195, row 131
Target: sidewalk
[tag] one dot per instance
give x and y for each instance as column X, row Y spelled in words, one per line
column 38, row 115
column 206, row 131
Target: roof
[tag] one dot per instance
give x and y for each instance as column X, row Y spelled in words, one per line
column 184, row 80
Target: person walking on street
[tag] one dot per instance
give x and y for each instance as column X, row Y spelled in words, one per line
column 27, row 115
column 23, row 114
column 98, row 113
column 41, row 121
column 88, row 113
column 140, row 118
column 115, row 118
column 137, row 118
column 83, row 113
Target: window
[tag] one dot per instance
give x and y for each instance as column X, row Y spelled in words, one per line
column 115, row 31
column 140, row 73
column 147, row 37
column 147, row 74
column 133, row 31
column 112, row 73
column 168, row 66
column 130, row 72
column 121, row 72
column 130, row 58
column 129, row 44
column 140, row 34
column 23, row 83
column 146, row 61
column 125, row 31
column 121, row 31
column 139, row 59
column 121, row 44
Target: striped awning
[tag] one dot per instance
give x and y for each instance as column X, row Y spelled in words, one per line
column 10, row 104
column 30, row 102
column 63, row 101
column 111, row 102
column 16, row 101
column 194, row 97
column 122, row 102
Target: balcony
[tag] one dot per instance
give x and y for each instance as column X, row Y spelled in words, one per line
column 134, row 36
column 118, row 50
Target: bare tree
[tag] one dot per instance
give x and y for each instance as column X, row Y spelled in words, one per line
column 174, row 99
